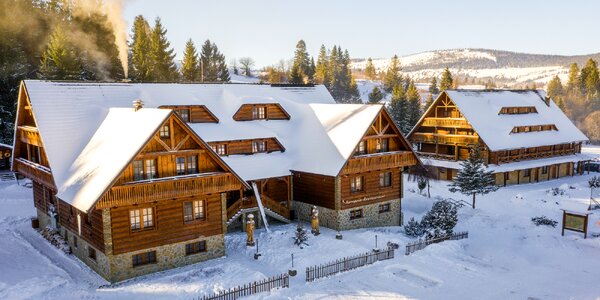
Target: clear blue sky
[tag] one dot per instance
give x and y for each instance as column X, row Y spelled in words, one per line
column 268, row 30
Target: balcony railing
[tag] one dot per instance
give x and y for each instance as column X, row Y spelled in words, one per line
column 535, row 155
column 444, row 138
column 30, row 135
column 33, row 171
column 437, row 155
column 378, row 161
column 168, row 188
column 446, row 122
column 250, row 202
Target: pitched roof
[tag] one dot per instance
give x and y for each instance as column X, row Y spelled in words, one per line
column 315, row 120
column 481, row 109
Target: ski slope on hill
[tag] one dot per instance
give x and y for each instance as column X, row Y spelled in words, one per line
column 505, row 257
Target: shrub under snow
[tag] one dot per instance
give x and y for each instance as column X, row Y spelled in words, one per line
column 543, row 220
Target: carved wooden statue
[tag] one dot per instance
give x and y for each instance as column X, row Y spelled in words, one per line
column 314, row 222
column 250, row 230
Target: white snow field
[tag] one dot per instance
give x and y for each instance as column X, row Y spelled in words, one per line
column 505, row 257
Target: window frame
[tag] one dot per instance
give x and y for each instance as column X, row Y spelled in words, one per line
column 544, row 170
column 195, row 248
column 185, row 117
column 257, row 149
column 361, row 149
column 221, row 149
column 385, row 179
column 92, row 253
column 142, row 259
column 357, row 188
column 191, row 219
column 145, row 221
column 164, row 132
column 385, row 207
column 356, row 214
column 259, row 112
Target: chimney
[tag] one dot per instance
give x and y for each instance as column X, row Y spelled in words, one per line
column 137, row 104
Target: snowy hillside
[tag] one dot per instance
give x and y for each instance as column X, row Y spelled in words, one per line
column 503, row 66
column 505, row 257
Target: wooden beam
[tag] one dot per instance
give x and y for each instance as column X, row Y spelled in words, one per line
column 158, row 140
column 181, row 142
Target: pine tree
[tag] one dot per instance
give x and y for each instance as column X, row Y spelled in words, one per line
column 591, row 79
column 433, row 87
column 392, row 76
column 573, row 82
column 428, row 103
column 561, row 104
column 555, row 88
column 414, row 106
column 162, row 56
column 370, row 71
column 140, row 50
column 302, row 63
column 375, row 95
column 190, row 70
column 398, row 108
column 60, row 61
column 321, row 69
column 473, row 178
column 295, row 76
column 413, row 228
column 212, row 64
column 440, row 220
column 446, row 82
column 312, row 69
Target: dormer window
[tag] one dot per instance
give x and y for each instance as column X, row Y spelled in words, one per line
column 164, row 132
column 185, row 114
column 259, row 146
column 259, row 112
column 221, row 149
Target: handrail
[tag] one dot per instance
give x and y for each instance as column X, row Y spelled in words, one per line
column 378, row 161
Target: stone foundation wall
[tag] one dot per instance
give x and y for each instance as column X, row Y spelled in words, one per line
column 167, row 257
column 340, row 220
column 102, row 262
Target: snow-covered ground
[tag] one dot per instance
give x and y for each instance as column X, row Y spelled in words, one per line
column 505, row 257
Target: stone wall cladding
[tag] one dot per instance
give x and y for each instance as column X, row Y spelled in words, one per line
column 340, row 220
column 101, row 265
column 167, row 257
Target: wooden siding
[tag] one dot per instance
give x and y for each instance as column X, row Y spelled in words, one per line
column 198, row 113
column 35, row 172
column 274, row 112
column 169, row 226
column 91, row 224
column 245, row 146
column 314, row 189
column 372, row 192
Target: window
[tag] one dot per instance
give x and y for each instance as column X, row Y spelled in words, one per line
column 356, row 214
column 384, row 208
column 34, row 153
column 193, row 210
column 66, row 236
column 259, row 146
column 385, row 179
column 545, row 170
column 75, row 241
column 382, row 145
column 221, row 149
column 356, row 184
column 361, row 149
column 194, row 248
column 185, row 114
column 259, row 112
column 143, row 258
column 192, row 164
column 144, row 169
column 526, row 173
column 180, row 162
column 164, row 131
column 92, row 253
column 141, row 218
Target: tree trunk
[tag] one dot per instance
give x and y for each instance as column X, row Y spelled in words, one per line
column 428, row 193
column 473, row 201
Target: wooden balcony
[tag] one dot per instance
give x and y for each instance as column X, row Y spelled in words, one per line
column 451, row 139
column 33, row 171
column 379, row 161
column 534, row 155
column 29, row 135
column 437, row 155
column 168, row 188
column 446, row 122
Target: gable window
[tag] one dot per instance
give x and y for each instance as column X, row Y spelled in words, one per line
column 385, row 179
column 150, row 168
column 143, row 258
column 259, row 146
column 193, row 248
column 193, row 210
column 185, row 114
column 356, row 214
column 144, row 169
column 141, row 218
column 221, row 149
column 259, row 112
column 164, row 131
column 356, row 184
column 385, row 147
column 361, row 149
column 180, row 165
column 186, row 165
column 192, row 164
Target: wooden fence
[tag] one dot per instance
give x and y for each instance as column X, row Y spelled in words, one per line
column 346, row 264
column 266, row 285
column 421, row 244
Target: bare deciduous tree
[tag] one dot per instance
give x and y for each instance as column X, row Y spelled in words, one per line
column 246, row 64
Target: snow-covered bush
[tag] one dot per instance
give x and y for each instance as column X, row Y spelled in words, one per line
column 413, row 228
column 543, row 220
column 301, row 236
column 557, row 191
column 392, row 245
column 440, row 220
column 594, row 182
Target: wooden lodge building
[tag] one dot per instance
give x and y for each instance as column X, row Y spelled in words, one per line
column 138, row 186
column 523, row 135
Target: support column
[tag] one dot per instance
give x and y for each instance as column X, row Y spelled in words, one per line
column 107, row 231
column 224, row 212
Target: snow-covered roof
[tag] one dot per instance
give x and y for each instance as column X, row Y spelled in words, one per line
column 481, row 108
column 70, row 114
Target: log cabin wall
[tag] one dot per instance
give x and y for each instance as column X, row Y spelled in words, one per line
column 91, row 224
column 245, row 146
column 169, row 226
column 274, row 111
column 314, row 189
column 372, row 191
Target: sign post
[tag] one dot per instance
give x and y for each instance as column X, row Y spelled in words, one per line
column 575, row 222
